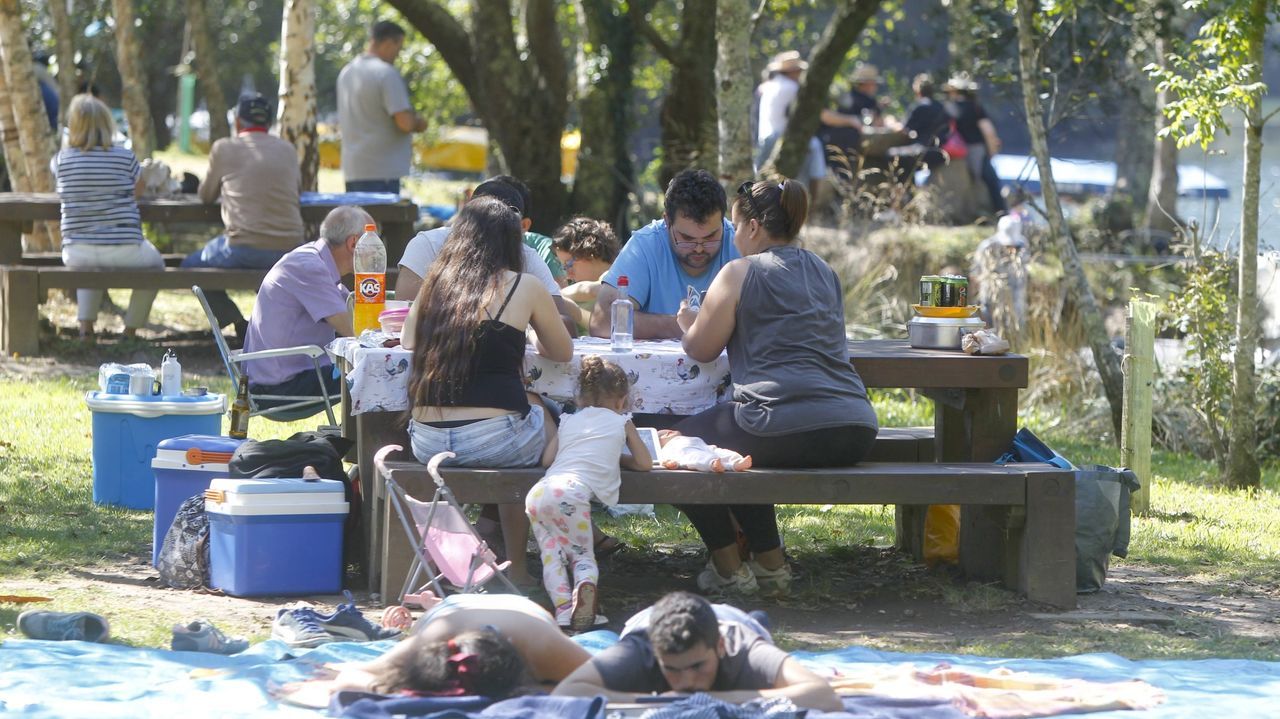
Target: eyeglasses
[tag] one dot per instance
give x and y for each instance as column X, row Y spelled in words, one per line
column 698, row 244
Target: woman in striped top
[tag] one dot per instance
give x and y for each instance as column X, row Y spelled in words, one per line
column 101, row 229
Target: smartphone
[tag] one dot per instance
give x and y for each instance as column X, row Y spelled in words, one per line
column 649, row 436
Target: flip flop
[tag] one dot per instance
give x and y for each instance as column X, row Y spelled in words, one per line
column 608, row 546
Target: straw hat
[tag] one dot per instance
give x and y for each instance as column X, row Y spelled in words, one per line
column 961, row 81
column 788, row 61
column 865, row 72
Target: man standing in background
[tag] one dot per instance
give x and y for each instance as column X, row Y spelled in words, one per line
column 374, row 115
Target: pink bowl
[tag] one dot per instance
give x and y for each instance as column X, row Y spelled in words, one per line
column 392, row 321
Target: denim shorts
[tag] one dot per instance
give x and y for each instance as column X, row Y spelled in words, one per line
column 506, row 441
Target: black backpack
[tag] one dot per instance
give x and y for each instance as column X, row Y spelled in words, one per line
column 184, row 556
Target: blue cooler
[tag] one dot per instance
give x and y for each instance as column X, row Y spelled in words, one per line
column 126, row 430
column 183, row 468
column 275, row 536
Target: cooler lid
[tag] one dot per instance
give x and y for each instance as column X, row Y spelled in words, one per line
column 198, row 449
column 155, row 406
column 280, row 485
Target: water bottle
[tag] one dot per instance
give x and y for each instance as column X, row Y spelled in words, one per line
column 170, row 375
column 623, row 314
column 371, row 280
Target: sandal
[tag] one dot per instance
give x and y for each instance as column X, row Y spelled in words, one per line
column 608, row 546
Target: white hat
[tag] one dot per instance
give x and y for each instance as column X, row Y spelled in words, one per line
column 961, row 81
column 788, row 61
column 865, row 72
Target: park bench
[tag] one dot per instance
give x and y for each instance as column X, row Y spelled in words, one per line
column 1037, row 551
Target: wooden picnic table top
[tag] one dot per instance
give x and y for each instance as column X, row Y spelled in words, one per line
column 28, row 206
column 896, row 364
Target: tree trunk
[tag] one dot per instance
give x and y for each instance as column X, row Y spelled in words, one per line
column 1134, row 149
column 842, row 31
column 14, row 163
column 1077, row 284
column 297, row 112
column 64, row 38
column 605, row 179
column 206, row 51
column 733, row 90
column 34, row 136
column 1242, row 452
column 133, row 80
column 1162, row 197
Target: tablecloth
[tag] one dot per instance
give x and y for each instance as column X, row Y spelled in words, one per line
column 664, row 380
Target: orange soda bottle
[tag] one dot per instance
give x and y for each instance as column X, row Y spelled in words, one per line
column 371, row 280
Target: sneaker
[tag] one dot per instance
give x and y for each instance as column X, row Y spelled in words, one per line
column 299, row 628
column 201, row 636
column 773, row 581
column 583, row 615
column 63, row 626
column 742, row 581
column 347, row 622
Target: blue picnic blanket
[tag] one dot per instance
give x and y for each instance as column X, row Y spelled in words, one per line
column 104, row 681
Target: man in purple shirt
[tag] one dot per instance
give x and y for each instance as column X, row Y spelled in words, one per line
column 302, row 303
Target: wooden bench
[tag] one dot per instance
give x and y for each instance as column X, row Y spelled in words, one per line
column 1037, row 556
column 24, row 287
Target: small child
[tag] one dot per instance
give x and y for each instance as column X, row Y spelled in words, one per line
column 680, row 451
column 586, row 451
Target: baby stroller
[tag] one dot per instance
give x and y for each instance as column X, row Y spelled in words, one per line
column 445, row 545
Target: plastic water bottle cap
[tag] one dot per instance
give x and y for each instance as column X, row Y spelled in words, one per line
column 370, row 227
column 623, row 281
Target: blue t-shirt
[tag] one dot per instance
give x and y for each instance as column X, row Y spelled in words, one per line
column 657, row 280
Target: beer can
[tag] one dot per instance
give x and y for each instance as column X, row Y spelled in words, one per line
column 946, row 291
column 930, row 286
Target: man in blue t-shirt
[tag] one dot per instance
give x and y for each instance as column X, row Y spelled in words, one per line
column 686, row 248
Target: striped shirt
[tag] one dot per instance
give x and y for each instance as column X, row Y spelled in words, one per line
column 96, row 187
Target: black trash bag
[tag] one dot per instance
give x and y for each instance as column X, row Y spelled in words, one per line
column 1102, row 521
column 183, row 561
column 276, row 458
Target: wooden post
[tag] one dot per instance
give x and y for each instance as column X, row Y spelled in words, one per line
column 1139, row 366
column 19, row 314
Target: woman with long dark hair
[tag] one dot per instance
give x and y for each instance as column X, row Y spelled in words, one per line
column 467, row 332
column 797, row 402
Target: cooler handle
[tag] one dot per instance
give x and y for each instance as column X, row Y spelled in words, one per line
column 195, row 455
column 215, row 495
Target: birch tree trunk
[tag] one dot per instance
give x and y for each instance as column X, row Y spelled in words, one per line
column 13, row 159
column 1162, row 197
column 297, row 113
column 207, row 70
column 133, row 80
column 733, row 90
column 1242, row 453
column 34, row 136
column 1077, row 284
column 65, row 50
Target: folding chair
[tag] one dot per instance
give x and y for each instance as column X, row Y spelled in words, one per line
column 295, row 405
column 445, row 545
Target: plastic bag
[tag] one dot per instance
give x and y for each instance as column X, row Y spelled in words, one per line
column 1027, row 447
column 942, row 534
column 1102, row 521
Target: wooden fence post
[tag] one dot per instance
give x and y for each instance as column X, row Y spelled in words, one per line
column 1139, row 366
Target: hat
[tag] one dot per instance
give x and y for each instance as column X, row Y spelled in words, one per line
column 254, row 110
column 865, row 72
column 788, row 61
column 961, row 81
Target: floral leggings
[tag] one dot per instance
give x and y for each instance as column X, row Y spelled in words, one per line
column 559, row 508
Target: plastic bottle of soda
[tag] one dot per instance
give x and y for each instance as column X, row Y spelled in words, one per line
column 371, row 279
column 623, row 314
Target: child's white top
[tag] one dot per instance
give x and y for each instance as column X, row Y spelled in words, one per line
column 591, row 442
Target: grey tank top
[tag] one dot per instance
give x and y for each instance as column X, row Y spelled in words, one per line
column 788, row 353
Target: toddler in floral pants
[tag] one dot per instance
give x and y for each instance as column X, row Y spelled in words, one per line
column 588, row 454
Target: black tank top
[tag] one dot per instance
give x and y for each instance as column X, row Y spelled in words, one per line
column 495, row 378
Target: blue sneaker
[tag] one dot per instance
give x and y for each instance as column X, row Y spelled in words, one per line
column 63, row 626
column 348, row 623
column 299, row 628
column 202, row 636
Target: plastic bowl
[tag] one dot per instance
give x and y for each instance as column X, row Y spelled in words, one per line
column 392, row 321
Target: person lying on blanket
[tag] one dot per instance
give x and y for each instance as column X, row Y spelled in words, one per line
column 683, row 644
column 493, row 645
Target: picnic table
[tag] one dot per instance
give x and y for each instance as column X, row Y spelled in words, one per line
column 975, row 418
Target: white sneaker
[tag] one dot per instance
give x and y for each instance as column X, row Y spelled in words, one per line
column 772, row 581
column 742, row 582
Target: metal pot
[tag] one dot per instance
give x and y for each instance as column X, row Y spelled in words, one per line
column 941, row 333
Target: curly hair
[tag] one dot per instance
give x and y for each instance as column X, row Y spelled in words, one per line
column 601, row 380
column 694, row 194
column 585, row 237
column 481, row 662
column 680, row 621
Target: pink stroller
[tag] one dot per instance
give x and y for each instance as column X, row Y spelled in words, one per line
column 445, row 544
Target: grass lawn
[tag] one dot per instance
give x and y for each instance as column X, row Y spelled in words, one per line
column 1221, row 542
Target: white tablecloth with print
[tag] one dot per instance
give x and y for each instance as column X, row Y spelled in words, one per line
column 663, row 378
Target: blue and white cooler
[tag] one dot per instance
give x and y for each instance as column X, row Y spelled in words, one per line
column 275, row 536
column 184, row 466
column 127, row 428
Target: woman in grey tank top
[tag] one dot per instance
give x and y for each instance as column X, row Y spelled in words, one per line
column 797, row 402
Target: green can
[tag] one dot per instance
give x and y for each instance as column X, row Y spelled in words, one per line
column 955, row 291
column 930, row 291
column 962, row 291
